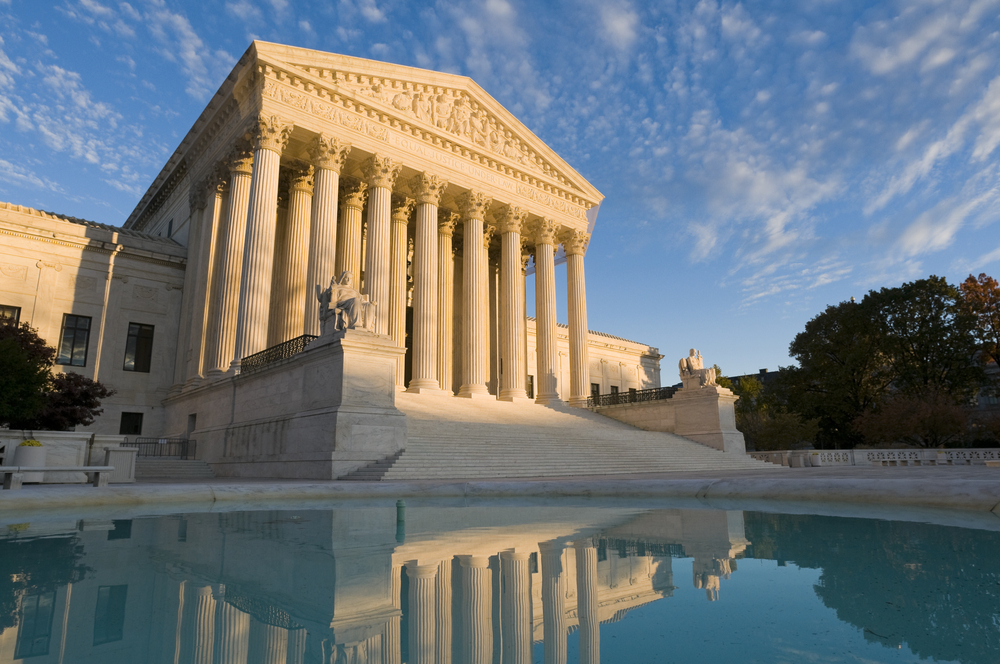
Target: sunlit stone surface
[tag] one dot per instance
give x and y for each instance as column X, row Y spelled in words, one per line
column 494, row 582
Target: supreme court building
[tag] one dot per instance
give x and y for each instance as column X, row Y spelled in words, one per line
column 304, row 166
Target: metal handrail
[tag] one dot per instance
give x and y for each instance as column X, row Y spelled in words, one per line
column 177, row 448
column 268, row 356
column 632, row 396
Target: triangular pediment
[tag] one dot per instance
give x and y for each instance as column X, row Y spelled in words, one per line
column 451, row 106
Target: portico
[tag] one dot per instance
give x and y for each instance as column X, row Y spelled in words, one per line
column 430, row 193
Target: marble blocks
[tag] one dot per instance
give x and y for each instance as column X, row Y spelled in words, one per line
column 319, row 414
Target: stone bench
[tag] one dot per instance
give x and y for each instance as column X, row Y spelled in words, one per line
column 13, row 476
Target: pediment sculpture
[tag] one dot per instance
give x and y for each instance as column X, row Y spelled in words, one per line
column 693, row 371
column 343, row 307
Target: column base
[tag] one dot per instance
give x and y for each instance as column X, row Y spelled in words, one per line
column 427, row 389
column 545, row 400
column 515, row 396
column 578, row 402
column 193, row 381
column 214, row 374
column 474, row 392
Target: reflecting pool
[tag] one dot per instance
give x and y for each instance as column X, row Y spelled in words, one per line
column 496, row 583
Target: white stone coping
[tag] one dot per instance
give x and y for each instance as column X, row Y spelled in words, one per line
column 863, row 457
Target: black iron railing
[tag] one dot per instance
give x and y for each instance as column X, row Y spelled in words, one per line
column 632, row 396
column 174, row 448
column 269, row 356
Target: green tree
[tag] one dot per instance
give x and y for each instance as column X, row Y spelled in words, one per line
column 25, row 371
column 766, row 423
column 981, row 298
column 30, row 396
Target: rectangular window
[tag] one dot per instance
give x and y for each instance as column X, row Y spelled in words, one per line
column 614, row 389
column 139, row 347
column 7, row 311
column 131, row 424
column 123, row 530
column 35, row 626
column 109, row 618
column 595, row 389
column 531, row 387
column 75, row 338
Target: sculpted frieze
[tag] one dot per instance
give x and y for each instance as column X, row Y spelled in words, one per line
column 449, row 111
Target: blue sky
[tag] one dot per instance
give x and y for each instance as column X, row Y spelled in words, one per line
column 759, row 160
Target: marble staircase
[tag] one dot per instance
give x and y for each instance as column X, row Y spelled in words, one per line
column 451, row 438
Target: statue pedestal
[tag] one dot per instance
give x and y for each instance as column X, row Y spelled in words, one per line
column 706, row 415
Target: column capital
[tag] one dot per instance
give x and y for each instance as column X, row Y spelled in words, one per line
column 354, row 192
column 510, row 219
column 329, row 152
column 427, row 188
column 270, row 133
column 447, row 220
column 402, row 208
column 514, row 555
column 198, row 194
column 576, row 242
column 240, row 160
column 301, row 177
column 546, row 231
column 488, row 231
column 219, row 178
column 473, row 204
column 381, row 171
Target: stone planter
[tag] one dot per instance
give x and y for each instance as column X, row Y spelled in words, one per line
column 30, row 456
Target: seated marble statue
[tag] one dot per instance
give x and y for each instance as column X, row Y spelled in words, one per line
column 693, row 371
column 342, row 305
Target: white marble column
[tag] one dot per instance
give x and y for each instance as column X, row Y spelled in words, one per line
column 510, row 220
column 353, row 195
column 587, row 602
column 446, row 300
column 402, row 208
column 227, row 292
column 296, row 646
column 267, row 644
column 515, row 607
column 380, row 173
column 553, row 602
column 270, row 137
column 473, row 206
column 197, row 199
column 422, row 612
column 491, row 318
column 391, row 648
column 442, row 615
column 477, row 610
column 576, row 292
column 232, row 634
column 290, row 295
column 546, row 380
column 328, row 155
column 199, row 609
column 427, row 189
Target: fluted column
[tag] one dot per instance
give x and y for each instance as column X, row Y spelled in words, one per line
column 232, row 634
column 353, row 194
column 227, row 292
column 491, row 344
column 391, row 650
column 402, row 208
column 428, row 189
column 477, row 610
column 545, row 312
column 268, row 644
column 328, row 155
column 587, row 602
column 473, row 205
column 576, row 292
column 183, row 365
column 270, row 137
column 510, row 220
column 199, row 608
column 446, row 300
column 296, row 646
column 422, row 612
column 442, row 615
column 553, row 602
column 380, row 173
column 292, row 284
column 515, row 607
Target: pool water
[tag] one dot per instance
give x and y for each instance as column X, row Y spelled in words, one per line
column 496, row 583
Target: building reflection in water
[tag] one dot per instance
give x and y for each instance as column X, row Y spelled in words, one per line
column 465, row 586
